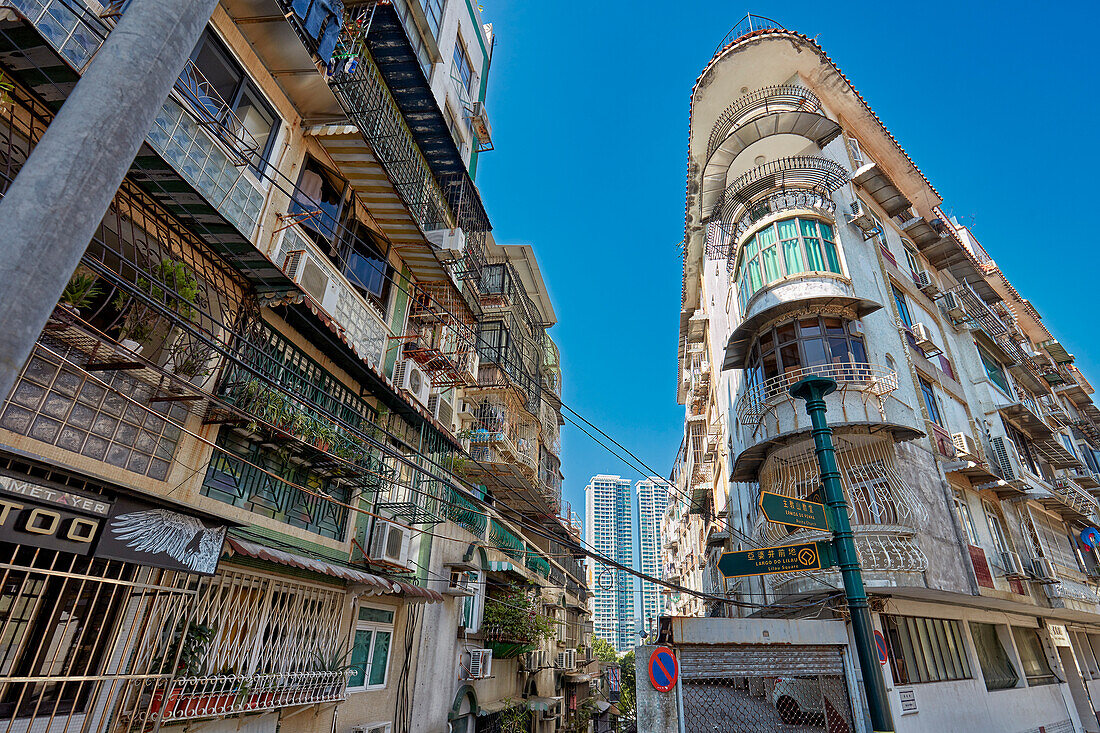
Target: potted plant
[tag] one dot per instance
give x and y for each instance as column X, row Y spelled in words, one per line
column 512, row 623
column 189, row 643
column 82, row 289
column 169, row 283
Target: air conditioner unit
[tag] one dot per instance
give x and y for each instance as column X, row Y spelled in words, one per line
column 922, row 334
column 952, row 305
column 1042, row 569
column 451, row 240
column 965, row 446
column 1004, row 452
column 863, row 219
column 410, row 377
column 1013, row 565
column 566, row 659
column 390, row 542
column 480, row 119
column 460, row 584
column 855, row 328
column 473, row 363
column 441, row 410
column 312, row 276
column 481, row 663
column 927, row 283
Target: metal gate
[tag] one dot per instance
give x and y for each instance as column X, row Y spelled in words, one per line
column 761, row 688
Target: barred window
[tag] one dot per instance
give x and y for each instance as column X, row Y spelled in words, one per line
column 926, row 649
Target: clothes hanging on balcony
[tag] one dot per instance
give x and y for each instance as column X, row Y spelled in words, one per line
column 323, row 21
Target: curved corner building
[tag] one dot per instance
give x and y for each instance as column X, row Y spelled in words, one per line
column 965, row 437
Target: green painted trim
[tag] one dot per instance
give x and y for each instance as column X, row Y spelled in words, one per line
column 457, row 704
column 473, row 17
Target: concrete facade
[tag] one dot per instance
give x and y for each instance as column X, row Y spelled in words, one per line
column 967, row 440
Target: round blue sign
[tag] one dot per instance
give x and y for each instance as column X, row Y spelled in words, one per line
column 880, row 645
column 663, row 670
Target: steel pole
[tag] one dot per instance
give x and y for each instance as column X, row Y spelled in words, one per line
column 813, row 391
column 59, row 197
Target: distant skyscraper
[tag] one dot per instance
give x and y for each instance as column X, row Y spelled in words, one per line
column 608, row 528
column 652, row 501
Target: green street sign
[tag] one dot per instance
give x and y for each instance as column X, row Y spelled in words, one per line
column 769, row 560
column 795, row 512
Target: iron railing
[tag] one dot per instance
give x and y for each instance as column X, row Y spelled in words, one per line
column 749, row 24
column 765, row 101
column 761, row 397
column 811, row 174
column 220, row 695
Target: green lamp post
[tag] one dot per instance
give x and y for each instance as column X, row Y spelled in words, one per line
column 813, row 390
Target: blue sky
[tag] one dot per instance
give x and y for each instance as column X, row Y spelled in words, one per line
column 589, row 108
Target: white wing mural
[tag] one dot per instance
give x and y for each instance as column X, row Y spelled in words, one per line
column 179, row 536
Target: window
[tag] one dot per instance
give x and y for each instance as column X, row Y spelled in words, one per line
column 1032, row 657
column 319, row 201
column 1054, row 540
column 806, row 342
column 463, row 69
column 994, row 371
column 996, row 527
column 925, row 649
column 962, row 509
column 903, row 307
column 433, row 10
column 363, row 262
column 1023, row 448
column 930, row 401
column 786, row 248
column 473, row 607
column 370, row 652
column 911, row 258
column 997, row 668
column 226, row 78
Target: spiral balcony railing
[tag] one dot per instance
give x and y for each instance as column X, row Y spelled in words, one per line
column 749, row 24
column 869, row 379
column 811, row 176
column 764, row 101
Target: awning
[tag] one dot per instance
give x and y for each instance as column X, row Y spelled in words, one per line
column 497, row 705
column 542, row 703
column 378, row 584
column 602, row 706
column 499, row 566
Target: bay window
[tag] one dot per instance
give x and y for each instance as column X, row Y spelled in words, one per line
column 786, row 248
column 804, row 342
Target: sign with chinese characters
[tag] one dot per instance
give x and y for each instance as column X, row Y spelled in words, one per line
column 769, row 560
column 794, row 512
column 1058, row 634
column 48, row 516
column 908, row 700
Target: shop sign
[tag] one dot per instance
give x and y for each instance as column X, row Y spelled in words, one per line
column 142, row 533
column 50, row 517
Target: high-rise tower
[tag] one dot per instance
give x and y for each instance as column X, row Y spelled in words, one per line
column 652, row 502
column 608, row 524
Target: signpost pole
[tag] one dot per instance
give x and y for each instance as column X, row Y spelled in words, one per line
column 813, row 391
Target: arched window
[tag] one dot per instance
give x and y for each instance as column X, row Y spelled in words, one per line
column 785, row 248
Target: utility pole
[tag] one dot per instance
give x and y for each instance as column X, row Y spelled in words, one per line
column 58, row 199
column 813, row 391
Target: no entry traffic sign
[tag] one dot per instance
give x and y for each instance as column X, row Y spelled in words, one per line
column 663, row 670
column 880, row 646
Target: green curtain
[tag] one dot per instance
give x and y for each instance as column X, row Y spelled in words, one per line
column 814, row 259
column 792, row 249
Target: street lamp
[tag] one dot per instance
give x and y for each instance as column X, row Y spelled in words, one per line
column 813, row 390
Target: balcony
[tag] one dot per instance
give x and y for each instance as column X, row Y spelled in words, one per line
column 801, row 181
column 749, row 24
column 858, row 387
column 191, row 698
column 1066, row 497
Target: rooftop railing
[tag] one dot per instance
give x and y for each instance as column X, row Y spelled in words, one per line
column 749, row 24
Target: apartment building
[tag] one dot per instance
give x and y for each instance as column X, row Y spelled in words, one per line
column 966, row 437
column 250, row 474
column 609, row 531
column 652, row 502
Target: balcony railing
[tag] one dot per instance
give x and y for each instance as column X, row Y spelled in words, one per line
column 1073, row 497
column 762, row 397
column 765, row 101
column 222, row 695
column 749, row 24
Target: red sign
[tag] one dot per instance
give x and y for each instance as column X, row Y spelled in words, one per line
column 880, row 645
column 663, row 669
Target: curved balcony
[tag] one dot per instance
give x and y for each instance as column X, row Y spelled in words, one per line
column 749, row 24
column 885, row 512
column 795, row 182
column 868, row 380
column 776, row 110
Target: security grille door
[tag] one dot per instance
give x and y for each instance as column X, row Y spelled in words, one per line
column 759, row 688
